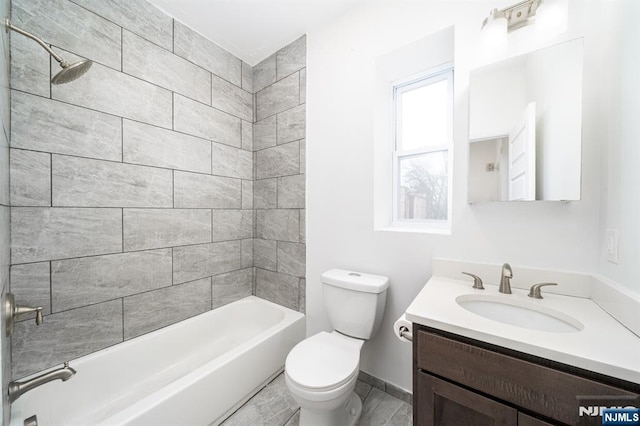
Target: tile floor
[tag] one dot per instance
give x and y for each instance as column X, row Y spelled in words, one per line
column 274, row 406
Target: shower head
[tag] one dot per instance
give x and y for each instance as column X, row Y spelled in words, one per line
column 69, row 72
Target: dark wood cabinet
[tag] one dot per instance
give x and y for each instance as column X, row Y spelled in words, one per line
column 458, row 381
column 445, row 404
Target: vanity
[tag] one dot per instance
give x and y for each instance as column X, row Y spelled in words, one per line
column 474, row 367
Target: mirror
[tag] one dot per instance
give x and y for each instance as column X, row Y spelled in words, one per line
column 525, row 126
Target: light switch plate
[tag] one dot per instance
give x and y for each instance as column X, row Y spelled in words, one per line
column 611, row 244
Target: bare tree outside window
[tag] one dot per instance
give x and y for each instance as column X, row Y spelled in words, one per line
column 423, row 192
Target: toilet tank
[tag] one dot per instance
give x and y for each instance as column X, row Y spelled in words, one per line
column 354, row 301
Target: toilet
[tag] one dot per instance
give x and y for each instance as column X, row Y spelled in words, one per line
column 322, row 370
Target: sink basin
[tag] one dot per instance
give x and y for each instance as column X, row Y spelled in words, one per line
column 520, row 313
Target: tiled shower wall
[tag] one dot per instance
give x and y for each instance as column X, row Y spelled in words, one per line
column 132, row 188
column 279, row 189
column 5, row 353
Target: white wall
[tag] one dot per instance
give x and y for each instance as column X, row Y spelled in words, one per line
column 340, row 170
column 621, row 142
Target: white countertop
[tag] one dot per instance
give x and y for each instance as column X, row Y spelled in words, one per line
column 604, row 345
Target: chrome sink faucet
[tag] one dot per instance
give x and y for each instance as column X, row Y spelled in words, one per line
column 17, row 389
column 505, row 279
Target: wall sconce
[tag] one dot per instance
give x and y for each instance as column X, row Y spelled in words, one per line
column 549, row 16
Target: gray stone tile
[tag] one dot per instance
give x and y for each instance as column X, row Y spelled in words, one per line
column 278, row 97
column 246, row 260
column 282, row 160
column 247, row 135
column 5, row 198
column 201, row 120
column 113, row 92
column 65, row 336
column 265, row 254
column 70, row 27
column 272, row 406
column 139, row 16
column 30, row 178
column 292, row 124
column 303, row 226
column 153, row 146
column 265, row 193
column 291, row 259
column 302, row 297
column 291, row 58
column 382, row 409
column 152, row 63
column 401, row 394
column 232, row 162
column 88, row 280
column 232, row 224
column 201, row 51
column 42, row 233
column 231, row 99
column 247, row 194
column 264, row 133
column 82, row 182
column 362, row 389
column 303, row 156
column 294, row 420
column 192, row 190
column 47, row 125
column 291, row 192
column 204, row 260
column 278, row 224
column 373, row 381
column 264, row 73
column 303, row 85
column 30, row 67
column 277, row 288
column 150, row 311
column 247, row 77
column 231, row 286
column 31, row 286
column 156, row 228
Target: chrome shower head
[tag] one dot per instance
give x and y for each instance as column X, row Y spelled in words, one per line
column 69, row 72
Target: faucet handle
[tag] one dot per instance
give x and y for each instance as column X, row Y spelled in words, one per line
column 20, row 311
column 536, row 292
column 477, row 281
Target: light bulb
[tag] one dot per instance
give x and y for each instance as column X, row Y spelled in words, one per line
column 551, row 18
column 493, row 36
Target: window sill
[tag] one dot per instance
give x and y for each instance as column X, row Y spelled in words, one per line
column 416, row 228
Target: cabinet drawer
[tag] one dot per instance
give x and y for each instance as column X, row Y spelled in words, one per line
column 540, row 389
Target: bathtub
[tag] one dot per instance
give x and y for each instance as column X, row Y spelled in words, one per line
column 195, row 372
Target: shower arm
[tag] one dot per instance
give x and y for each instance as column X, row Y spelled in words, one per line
column 46, row 47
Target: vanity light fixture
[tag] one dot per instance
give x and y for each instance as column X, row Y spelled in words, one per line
column 517, row 16
column 551, row 17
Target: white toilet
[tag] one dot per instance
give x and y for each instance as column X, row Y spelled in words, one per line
column 322, row 370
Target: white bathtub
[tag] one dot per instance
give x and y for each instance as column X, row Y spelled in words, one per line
column 196, row 372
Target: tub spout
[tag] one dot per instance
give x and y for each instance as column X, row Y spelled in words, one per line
column 17, row 388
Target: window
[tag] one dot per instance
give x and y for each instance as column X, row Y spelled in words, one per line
column 423, row 133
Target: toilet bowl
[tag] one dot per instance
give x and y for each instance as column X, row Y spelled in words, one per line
column 321, row 374
column 321, row 371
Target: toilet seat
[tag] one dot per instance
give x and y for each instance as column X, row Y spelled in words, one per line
column 323, row 362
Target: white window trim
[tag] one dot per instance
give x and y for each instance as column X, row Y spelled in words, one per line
column 443, row 72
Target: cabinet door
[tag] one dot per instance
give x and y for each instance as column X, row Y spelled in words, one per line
column 525, row 420
column 441, row 403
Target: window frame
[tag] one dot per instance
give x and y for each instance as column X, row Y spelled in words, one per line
column 434, row 75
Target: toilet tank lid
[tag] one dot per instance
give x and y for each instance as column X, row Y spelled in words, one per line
column 357, row 281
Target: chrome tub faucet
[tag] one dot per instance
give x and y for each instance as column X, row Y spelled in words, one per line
column 17, row 388
column 505, row 279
